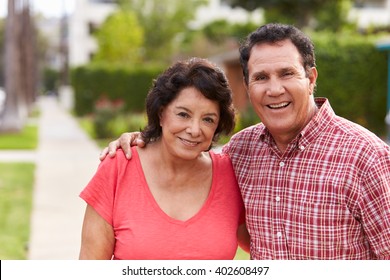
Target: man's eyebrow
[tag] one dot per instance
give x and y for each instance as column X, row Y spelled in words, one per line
column 289, row 68
column 257, row 73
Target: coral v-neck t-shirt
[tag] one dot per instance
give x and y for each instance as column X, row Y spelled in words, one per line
column 119, row 193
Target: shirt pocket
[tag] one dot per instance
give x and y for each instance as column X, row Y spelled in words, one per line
column 321, row 230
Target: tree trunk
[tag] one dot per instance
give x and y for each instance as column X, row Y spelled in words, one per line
column 28, row 59
column 19, row 66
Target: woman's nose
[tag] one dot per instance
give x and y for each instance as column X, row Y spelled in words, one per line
column 194, row 128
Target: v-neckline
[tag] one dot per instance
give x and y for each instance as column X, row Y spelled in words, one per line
column 157, row 207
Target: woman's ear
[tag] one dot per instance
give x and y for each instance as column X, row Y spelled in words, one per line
column 160, row 114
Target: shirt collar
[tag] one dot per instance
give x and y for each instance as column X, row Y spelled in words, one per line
column 318, row 123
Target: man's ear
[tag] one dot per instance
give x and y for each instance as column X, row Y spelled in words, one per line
column 313, row 79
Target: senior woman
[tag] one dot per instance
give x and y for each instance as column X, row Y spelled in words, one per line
column 175, row 199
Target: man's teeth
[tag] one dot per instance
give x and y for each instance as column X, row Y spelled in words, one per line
column 277, row 106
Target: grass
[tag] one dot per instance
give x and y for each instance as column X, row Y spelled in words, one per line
column 241, row 255
column 27, row 139
column 16, row 184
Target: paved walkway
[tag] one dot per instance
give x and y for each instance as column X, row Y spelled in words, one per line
column 66, row 159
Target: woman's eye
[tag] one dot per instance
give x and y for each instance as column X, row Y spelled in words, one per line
column 209, row 120
column 183, row 115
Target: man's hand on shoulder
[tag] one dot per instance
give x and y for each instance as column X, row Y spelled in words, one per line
column 125, row 141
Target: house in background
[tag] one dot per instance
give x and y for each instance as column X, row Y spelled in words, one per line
column 86, row 17
column 371, row 13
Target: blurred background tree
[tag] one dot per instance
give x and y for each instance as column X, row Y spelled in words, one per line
column 20, row 67
column 163, row 21
column 120, row 39
column 330, row 14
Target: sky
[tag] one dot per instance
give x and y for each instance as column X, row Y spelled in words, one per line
column 49, row 8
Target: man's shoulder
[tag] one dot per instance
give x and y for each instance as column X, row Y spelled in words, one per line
column 245, row 139
column 250, row 131
column 361, row 136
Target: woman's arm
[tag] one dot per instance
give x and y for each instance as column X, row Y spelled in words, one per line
column 97, row 240
column 243, row 237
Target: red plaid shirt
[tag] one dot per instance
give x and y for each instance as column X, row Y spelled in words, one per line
column 326, row 197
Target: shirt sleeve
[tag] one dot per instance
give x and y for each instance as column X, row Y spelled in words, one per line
column 375, row 206
column 100, row 191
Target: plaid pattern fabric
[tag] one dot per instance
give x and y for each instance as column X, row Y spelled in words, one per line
column 326, row 197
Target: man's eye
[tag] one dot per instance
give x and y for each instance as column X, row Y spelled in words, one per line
column 261, row 78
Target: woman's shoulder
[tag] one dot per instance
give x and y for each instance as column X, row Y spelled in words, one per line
column 221, row 159
column 119, row 161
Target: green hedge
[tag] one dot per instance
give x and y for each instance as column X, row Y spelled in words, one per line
column 92, row 82
column 353, row 76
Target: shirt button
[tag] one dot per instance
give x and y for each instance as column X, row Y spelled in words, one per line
column 281, row 164
column 301, row 147
column 277, row 198
column 279, row 234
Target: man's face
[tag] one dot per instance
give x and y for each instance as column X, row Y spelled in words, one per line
column 279, row 89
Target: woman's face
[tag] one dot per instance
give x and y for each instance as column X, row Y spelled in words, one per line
column 188, row 124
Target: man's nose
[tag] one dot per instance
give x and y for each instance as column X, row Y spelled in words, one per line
column 275, row 87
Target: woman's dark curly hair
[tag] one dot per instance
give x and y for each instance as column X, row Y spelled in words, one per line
column 197, row 73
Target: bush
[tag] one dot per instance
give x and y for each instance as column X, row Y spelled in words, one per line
column 91, row 82
column 352, row 75
column 105, row 112
column 109, row 119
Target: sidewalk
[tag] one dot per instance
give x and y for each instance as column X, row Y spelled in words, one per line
column 66, row 159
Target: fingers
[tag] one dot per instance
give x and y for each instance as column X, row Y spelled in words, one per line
column 124, row 142
column 103, row 154
column 112, row 147
column 140, row 143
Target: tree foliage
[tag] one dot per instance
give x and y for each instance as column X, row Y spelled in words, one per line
column 120, row 39
column 163, row 21
column 330, row 14
column 219, row 31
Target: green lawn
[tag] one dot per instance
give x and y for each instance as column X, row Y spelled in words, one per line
column 241, row 255
column 27, row 139
column 16, row 184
